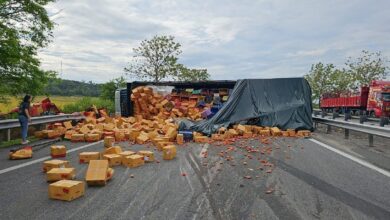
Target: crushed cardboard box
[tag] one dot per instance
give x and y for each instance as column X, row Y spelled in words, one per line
column 23, row 153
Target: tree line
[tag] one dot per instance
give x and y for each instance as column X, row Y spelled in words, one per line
column 356, row 72
column 26, row 27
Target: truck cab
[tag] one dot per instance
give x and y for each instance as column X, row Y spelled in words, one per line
column 379, row 99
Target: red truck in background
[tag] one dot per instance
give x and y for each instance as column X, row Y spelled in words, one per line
column 374, row 99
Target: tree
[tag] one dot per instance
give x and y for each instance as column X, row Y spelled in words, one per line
column 186, row 74
column 155, row 59
column 108, row 89
column 320, row 79
column 25, row 27
column 369, row 66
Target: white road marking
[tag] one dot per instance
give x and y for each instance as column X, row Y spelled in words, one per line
column 9, row 169
column 204, row 149
column 357, row 160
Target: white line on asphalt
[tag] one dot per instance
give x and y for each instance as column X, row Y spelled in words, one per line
column 357, row 160
column 6, row 170
column 204, row 149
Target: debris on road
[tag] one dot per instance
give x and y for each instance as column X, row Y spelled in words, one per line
column 23, row 153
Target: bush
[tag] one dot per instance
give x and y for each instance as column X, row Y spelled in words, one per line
column 86, row 102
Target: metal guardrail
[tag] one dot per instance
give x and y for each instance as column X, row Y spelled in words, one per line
column 367, row 118
column 14, row 123
column 347, row 126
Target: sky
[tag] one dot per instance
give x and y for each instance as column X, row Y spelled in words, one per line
column 93, row 39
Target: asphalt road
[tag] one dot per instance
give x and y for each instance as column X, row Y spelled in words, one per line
column 307, row 181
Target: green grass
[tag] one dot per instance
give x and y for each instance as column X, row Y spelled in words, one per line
column 60, row 101
column 10, row 143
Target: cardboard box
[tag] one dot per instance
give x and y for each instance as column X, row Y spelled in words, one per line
column 303, row 133
column 159, row 139
column 84, row 129
column 50, row 164
column 201, row 139
column 39, row 134
column 109, row 141
column 109, row 127
column 57, row 151
column 247, row 134
column 56, row 174
column 142, row 139
column 291, row 132
column 241, row 129
column 24, row 153
column 97, row 172
column 169, row 152
column 148, row 155
column 275, row 131
column 113, row 159
column 265, row 132
column 68, row 125
column 180, row 139
column 92, row 137
column 77, row 137
column 125, row 154
column 232, row 133
column 133, row 161
column 52, row 134
column 120, row 135
column 217, row 137
column 68, row 134
column 85, row 157
column 112, row 150
column 162, row 144
column 67, row 190
column 171, row 133
column 133, row 134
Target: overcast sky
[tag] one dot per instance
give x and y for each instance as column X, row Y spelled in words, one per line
column 232, row 39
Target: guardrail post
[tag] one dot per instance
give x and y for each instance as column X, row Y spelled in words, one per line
column 362, row 119
column 8, row 134
column 347, row 116
column 370, row 140
column 328, row 129
column 346, row 133
column 384, row 121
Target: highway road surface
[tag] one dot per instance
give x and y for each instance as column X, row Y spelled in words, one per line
column 288, row 178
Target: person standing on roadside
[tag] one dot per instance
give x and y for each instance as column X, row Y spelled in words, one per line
column 24, row 117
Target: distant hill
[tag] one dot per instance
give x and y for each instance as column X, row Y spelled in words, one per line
column 64, row 87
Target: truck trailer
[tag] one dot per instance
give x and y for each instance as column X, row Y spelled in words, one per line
column 373, row 99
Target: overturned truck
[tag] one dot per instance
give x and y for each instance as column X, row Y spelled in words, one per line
column 282, row 102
